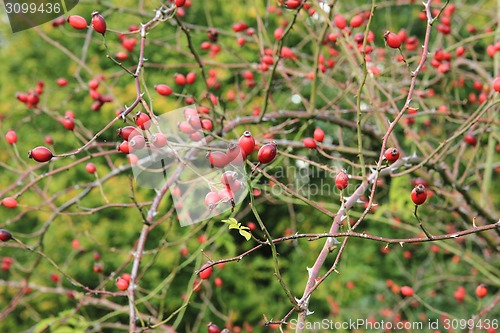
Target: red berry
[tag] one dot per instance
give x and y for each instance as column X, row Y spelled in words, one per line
column 228, row 178
column 5, row 236
column 206, row 124
column 481, row 291
column 470, row 139
column 205, row 273
column 158, row 140
column 90, row 167
column 342, row 180
column 233, row 152
column 180, row 79
column 340, row 21
column 190, row 77
column 407, row 291
column 392, row 40
column 218, row 159
column 68, row 123
column 180, row 3
column 93, row 84
column 126, row 277
column 77, row 22
column 11, row 137
column 163, row 89
column 9, row 202
column 267, row 153
column 142, row 120
column 391, row 154
column 218, row 282
column 309, row 143
column 62, row 82
column 356, row 21
column 40, row 154
column 212, row 328
column 212, row 199
column 186, row 128
column 128, row 132
column 98, row 23
column 496, row 84
column 124, row 147
column 319, row 134
column 136, row 143
column 122, row 284
column 247, row 143
column 419, row 194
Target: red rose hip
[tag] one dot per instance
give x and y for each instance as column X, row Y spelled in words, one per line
column 267, row 153
column 247, row 143
column 392, row 40
column 40, row 154
column 342, row 180
column 98, row 23
column 391, row 154
column 419, row 194
column 77, row 22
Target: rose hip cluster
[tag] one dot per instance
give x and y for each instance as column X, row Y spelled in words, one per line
column 235, row 155
column 32, row 97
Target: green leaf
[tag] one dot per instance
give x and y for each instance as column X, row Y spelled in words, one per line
column 231, row 220
column 245, row 234
column 233, row 226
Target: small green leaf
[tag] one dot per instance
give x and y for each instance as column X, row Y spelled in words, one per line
column 244, row 228
column 231, row 220
column 233, row 226
column 245, row 234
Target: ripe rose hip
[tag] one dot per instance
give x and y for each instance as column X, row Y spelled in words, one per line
column 68, row 123
column 481, row 291
column 419, row 194
column 319, row 134
column 180, row 3
column 122, row 284
column 158, row 140
column 340, row 21
column 40, row 154
column 233, row 152
column 77, row 22
column 218, row 159
column 62, row 82
column 180, row 79
column 267, row 153
column 9, row 202
column 11, row 137
column 309, row 143
column 212, row 328
column 205, row 273
column 496, row 84
column 392, row 40
column 206, row 124
column 163, row 89
column 5, row 235
column 98, row 23
column 470, row 139
column 190, row 77
column 90, row 168
column 212, row 199
column 124, row 147
column 391, row 154
column 247, row 143
column 407, row 291
column 142, row 120
column 126, row 132
column 342, row 179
